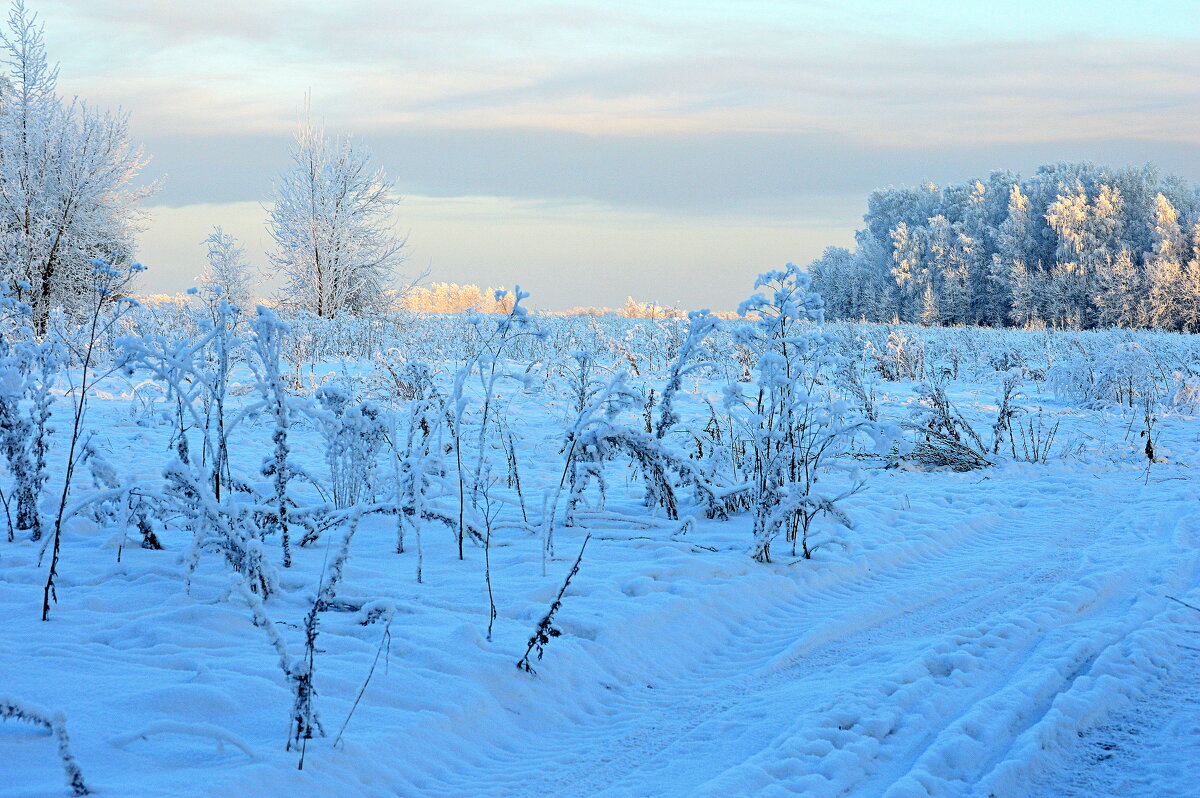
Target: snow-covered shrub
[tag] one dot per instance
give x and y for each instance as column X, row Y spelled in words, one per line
column 1184, row 394
column 1133, row 374
column 353, row 433
column 28, row 369
column 902, row 358
column 794, row 426
column 393, row 379
column 1122, row 376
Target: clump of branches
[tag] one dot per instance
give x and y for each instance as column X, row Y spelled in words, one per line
column 1010, row 392
column 1036, row 438
column 944, row 437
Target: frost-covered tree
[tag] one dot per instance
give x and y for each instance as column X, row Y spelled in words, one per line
column 1014, row 246
column 952, row 254
column 1119, row 291
column 335, row 240
column 1190, row 287
column 67, row 171
column 1070, row 280
column 913, row 276
column 1164, row 266
column 1074, row 245
column 227, row 270
column 836, row 276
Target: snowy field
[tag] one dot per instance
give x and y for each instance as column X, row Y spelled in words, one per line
column 993, row 605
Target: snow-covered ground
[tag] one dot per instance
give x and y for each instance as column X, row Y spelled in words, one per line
column 1009, row 631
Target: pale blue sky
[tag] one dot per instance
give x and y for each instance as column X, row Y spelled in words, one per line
column 590, row 150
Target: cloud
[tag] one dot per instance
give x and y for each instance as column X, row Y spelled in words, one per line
column 698, row 173
column 618, row 69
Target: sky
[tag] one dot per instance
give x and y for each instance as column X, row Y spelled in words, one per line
column 593, row 150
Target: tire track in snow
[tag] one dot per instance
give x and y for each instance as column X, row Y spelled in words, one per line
column 956, row 750
column 929, row 594
column 888, row 719
column 718, row 683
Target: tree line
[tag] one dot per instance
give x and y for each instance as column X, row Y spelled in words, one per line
column 1076, row 245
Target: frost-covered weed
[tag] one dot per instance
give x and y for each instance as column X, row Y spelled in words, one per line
column 198, row 482
column 901, row 358
column 28, row 370
column 267, row 345
column 545, row 629
column 793, row 424
column 56, row 724
column 353, row 434
column 486, row 367
column 105, row 311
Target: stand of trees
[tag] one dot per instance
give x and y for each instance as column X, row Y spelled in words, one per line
column 1076, row 245
column 454, row 298
column 67, row 171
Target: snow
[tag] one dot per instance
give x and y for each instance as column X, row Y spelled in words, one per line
column 999, row 632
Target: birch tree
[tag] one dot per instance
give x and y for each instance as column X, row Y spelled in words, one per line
column 332, row 221
column 67, row 171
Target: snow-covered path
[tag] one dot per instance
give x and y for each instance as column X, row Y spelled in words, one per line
column 945, row 672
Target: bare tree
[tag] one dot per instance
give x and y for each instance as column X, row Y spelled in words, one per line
column 336, row 244
column 66, row 179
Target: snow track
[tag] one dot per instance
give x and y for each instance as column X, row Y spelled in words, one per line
column 951, row 669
